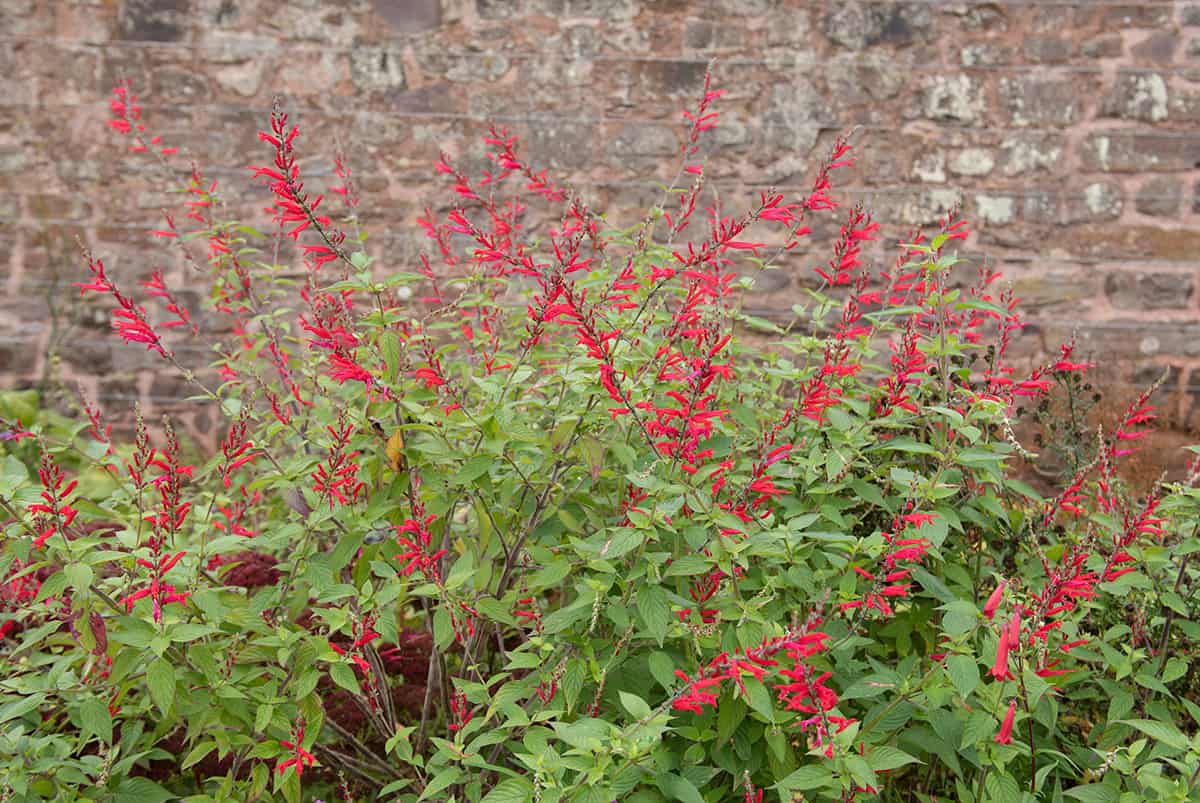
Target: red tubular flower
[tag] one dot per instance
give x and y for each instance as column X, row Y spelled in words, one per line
column 235, row 515
column 416, row 540
column 527, row 611
column 993, row 601
column 1014, row 629
column 1000, row 665
column 237, row 449
column 13, row 431
column 804, row 693
column 102, row 434
column 127, row 119
column 156, row 287
column 908, row 363
column 460, row 711
column 337, row 478
column 166, row 522
column 54, row 513
column 1004, row 736
column 129, row 320
column 293, row 206
column 847, row 252
column 301, row 758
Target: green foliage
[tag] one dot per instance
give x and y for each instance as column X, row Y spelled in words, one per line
column 550, row 522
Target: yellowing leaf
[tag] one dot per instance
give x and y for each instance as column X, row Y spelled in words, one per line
column 395, row 451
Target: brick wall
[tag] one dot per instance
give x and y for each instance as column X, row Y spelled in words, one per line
column 1068, row 131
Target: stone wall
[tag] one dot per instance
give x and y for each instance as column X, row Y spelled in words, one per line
column 1067, row 130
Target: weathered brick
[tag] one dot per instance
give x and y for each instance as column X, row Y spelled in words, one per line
column 1047, row 49
column 643, row 144
column 410, row 16
column 930, row 168
column 1105, row 46
column 1160, row 197
column 680, row 77
column 500, row 9
column 986, row 54
column 1100, row 200
column 1122, row 151
column 376, row 69
column 1029, row 153
column 1108, row 241
column 155, row 20
column 1033, row 100
column 1159, row 48
column 794, row 119
column 857, row 25
column 973, row 162
column 1041, row 205
column 1055, row 289
column 994, row 209
column 957, row 97
column 1138, row 95
column 597, row 9
column 593, row 89
column 1146, row 290
column 1115, row 17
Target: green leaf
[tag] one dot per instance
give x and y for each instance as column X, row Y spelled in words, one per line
column 141, row 790
column 1159, row 731
column 905, row 444
column 53, row 585
column 197, row 753
column 443, row 779
column 511, row 790
column 443, row 628
column 688, row 565
column 964, row 674
column 79, row 576
column 586, row 734
column 160, row 679
column 885, row 757
column 1002, row 789
column 94, row 718
column 960, row 617
column 473, row 469
column 572, row 682
column 636, row 706
column 933, row 585
column 652, row 604
column 813, row 776
column 759, row 698
column 861, row 771
column 1094, row 793
column 343, row 676
column 676, row 787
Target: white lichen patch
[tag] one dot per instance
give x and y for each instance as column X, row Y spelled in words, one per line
column 953, row 98
column 973, row 162
column 996, row 210
column 1148, row 99
column 930, row 168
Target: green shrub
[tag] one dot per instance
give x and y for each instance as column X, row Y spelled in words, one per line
column 549, row 518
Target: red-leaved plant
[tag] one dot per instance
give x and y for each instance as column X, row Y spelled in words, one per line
column 548, row 517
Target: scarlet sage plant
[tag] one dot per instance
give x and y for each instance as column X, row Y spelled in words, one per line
column 546, row 516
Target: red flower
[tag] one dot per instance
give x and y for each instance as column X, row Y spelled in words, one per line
column 1000, row 665
column 1004, row 736
column 54, row 514
column 301, row 758
column 993, row 601
column 337, row 478
column 128, row 320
